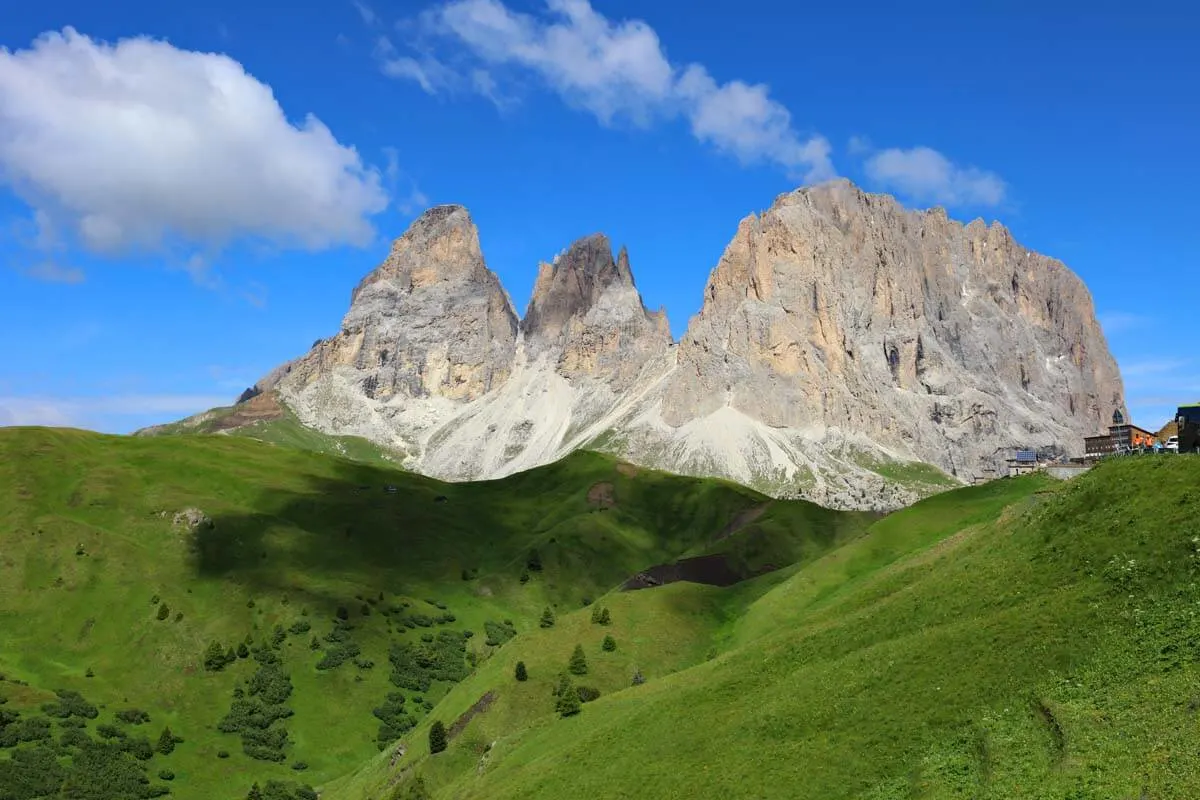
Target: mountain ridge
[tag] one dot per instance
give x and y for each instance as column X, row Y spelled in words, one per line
column 839, row 332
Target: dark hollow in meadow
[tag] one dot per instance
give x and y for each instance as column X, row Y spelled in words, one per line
column 713, row 570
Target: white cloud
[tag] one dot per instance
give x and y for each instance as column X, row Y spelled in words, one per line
column 924, row 175
column 140, row 143
column 53, row 272
column 619, row 70
column 83, row 412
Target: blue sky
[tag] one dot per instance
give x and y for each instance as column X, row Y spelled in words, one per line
column 189, row 193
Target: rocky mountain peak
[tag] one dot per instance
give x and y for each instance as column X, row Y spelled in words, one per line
column 586, row 313
column 430, row 321
column 440, row 246
column 572, row 283
column 838, row 331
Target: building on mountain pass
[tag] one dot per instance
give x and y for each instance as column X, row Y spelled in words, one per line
column 1122, row 437
column 1023, row 462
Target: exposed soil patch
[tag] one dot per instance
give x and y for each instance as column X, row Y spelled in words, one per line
column 481, row 706
column 627, row 469
column 602, row 495
column 712, row 570
column 260, row 408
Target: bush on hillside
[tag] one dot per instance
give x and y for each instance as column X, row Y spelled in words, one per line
column 609, row 644
column 497, row 633
column 70, row 704
column 167, row 741
column 578, row 663
column 587, row 693
column 520, row 673
column 415, row 666
column 133, row 716
column 215, row 657
column 568, row 702
column 437, row 737
column 547, row 620
column 163, row 612
column 394, row 722
column 534, row 562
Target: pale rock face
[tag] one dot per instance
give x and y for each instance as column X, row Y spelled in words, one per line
column 586, row 311
column 431, row 321
column 948, row 343
column 838, row 331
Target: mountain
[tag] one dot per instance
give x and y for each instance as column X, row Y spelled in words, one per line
column 848, row 350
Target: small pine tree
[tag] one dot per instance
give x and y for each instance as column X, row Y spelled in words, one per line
column 343, row 613
column 578, row 663
column 520, row 673
column 230, row 656
column 163, row 612
column 243, row 651
column 255, row 793
column 605, row 618
column 547, row 620
column 315, row 644
column 89, row 673
column 534, row 562
column 568, row 702
column 609, row 644
column 437, row 737
column 595, row 615
column 214, row 657
column 166, row 742
column 638, row 677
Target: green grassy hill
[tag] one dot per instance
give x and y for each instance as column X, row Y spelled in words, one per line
column 273, row 605
column 1021, row 639
column 297, row 618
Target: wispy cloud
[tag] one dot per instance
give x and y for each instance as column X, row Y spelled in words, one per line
column 86, row 412
column 923, row 175
column 615, row 70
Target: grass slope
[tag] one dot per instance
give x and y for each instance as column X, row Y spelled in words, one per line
column 1019, row 639
column 90, row 559
column 267, row 419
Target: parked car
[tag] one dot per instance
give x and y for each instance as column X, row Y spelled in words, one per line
column 1172, row 444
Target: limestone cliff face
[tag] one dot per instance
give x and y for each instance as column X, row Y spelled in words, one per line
column 587, row 314
column 431, row 320
column 839, row 332
column 837, row 309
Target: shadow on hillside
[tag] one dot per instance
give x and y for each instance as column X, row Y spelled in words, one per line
column 359, row 530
